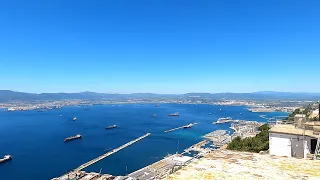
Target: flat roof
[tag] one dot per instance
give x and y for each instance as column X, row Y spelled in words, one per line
column 300, row 115
column 290, row 129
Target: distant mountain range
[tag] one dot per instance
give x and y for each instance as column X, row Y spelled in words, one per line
column 8, row 95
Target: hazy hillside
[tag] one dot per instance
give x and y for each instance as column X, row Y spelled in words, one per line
column 7, row 95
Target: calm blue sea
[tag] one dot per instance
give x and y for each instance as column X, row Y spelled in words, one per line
column 35, row 139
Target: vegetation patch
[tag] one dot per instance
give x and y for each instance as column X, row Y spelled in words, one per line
column 252, row 144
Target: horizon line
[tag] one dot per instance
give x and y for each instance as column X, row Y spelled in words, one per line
column 263, row 91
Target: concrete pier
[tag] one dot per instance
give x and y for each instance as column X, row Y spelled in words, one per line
column 89, row 163
column 181, row 127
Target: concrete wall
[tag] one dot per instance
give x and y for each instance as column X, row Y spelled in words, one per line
column 279, row 144
column 282, row 145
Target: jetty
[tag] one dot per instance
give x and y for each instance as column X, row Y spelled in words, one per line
column 93, row 161
column 181, row 127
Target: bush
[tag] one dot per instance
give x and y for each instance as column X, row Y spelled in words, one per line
column 252, row 144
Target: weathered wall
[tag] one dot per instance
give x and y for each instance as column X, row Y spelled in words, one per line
column 281, row 145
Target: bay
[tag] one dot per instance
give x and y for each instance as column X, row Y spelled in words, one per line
column 35, row 139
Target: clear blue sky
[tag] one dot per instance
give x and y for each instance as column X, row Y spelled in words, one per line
column 161, row 46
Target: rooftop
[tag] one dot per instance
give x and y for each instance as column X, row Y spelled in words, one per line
column 290, row 129
column 300, row 115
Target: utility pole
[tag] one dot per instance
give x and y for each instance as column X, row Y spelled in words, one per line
column 319, row 111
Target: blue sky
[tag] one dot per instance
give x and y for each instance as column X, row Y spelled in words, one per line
column 160, row 46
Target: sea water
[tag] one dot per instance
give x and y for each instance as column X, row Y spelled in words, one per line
column 35, row 139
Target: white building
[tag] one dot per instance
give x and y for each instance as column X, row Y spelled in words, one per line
column 287, row 140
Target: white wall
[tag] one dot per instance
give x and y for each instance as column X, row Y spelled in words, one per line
column 280, row 144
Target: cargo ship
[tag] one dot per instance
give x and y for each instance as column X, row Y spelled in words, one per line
column 5, row 158
column 75, row 118
column 174, row 114
column 111, row 127
column 78, row 136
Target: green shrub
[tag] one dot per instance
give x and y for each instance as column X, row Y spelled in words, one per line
column 252, row 144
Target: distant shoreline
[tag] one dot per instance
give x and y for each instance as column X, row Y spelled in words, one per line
column 50, row 105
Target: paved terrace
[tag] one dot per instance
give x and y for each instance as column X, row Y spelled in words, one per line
column 225, row 164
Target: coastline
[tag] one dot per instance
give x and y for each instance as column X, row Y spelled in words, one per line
column 132, row 120
column 214, row 141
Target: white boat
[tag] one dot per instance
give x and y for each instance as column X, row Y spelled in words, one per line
column 75, row 118
column 223, row 120
column 6, row 158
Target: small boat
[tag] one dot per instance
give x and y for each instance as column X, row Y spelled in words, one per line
column 154, row 115
column 174, row 114
column 220, row 109
column 111, row 127
column 60, row 115
column 75, row 118
column 5, row 158
column 78, row 136
column 157, row 105
column 209, row 113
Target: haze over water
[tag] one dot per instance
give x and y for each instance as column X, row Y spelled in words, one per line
column 35, row 139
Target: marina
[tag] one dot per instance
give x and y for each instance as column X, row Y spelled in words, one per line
column 219, row 137
column 181, row 127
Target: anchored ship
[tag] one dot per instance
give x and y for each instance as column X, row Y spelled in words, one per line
column 5, row 158
column 223, row 120
column 78, row 136
column 111, row 127
column 174, row 114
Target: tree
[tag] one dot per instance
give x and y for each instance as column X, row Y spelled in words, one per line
column 252, row 144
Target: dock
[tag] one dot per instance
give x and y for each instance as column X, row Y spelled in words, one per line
column 181, row 127
column 93, row 161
